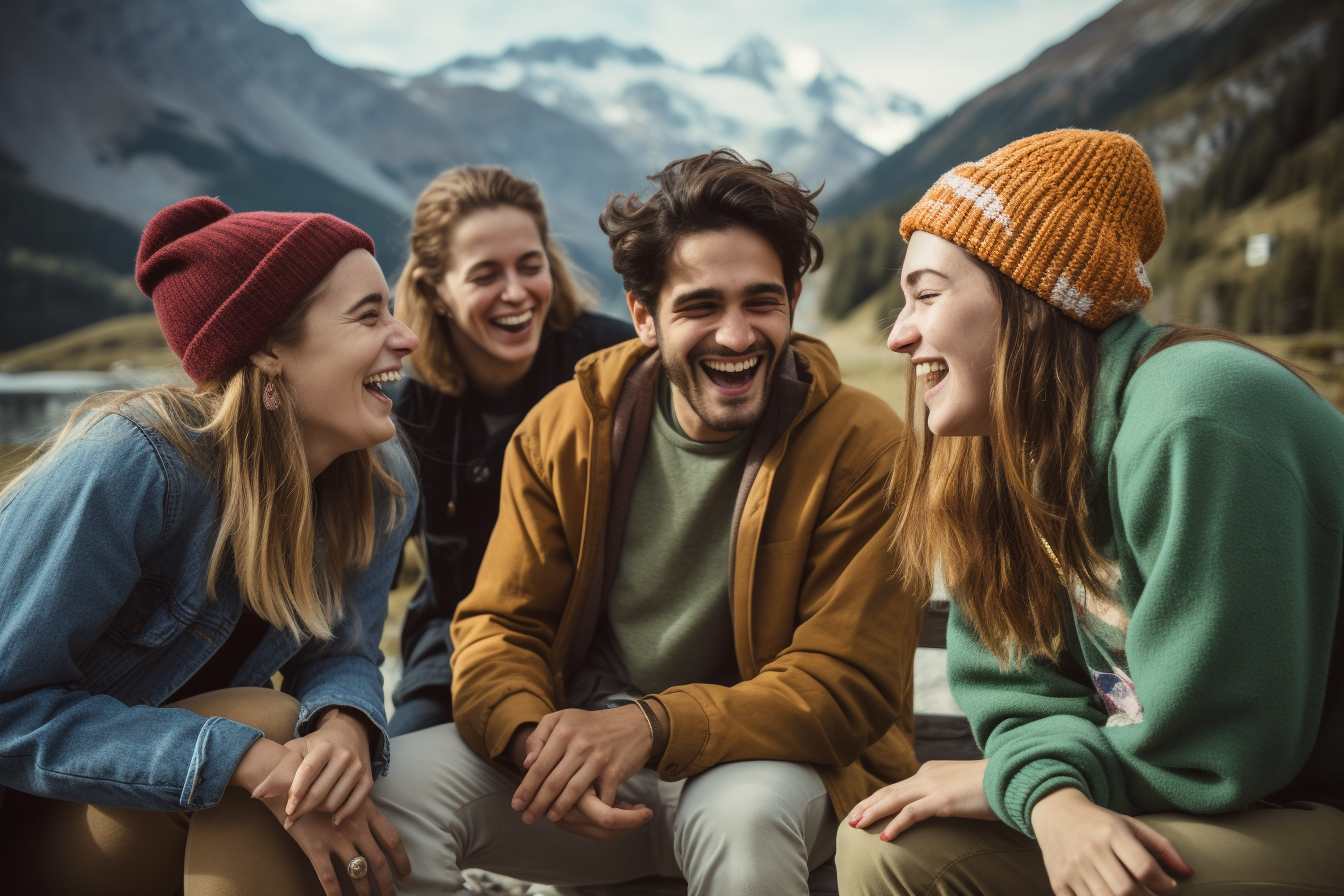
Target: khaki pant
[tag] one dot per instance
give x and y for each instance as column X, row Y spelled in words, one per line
column 1293, row 851
column 739, row 829
column 236, row 847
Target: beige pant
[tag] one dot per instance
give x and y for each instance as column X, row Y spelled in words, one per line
column 738, row 829
column 1293, row 851
column 233, row 848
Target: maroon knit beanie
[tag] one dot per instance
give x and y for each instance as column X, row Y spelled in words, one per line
column 222, row 282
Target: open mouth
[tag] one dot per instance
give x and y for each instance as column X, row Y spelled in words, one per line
column 374, row 384
column 931, row 372
column 731, row 376
column 514, row 323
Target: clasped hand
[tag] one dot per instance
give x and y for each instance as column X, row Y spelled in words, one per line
column 317, row 786
column 574, row 761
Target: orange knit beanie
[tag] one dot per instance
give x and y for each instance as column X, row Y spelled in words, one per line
column 1070, row 215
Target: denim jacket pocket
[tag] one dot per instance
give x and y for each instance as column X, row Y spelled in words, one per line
column 148, row 617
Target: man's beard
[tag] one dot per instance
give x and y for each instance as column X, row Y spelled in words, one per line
column 717, row 411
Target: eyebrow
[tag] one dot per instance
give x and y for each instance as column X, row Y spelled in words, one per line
column 373, row 298
column 911, row 277
column 710, row 292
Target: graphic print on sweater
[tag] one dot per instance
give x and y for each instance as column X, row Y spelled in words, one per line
column 1103, row 624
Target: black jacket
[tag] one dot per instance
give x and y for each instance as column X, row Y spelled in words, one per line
column 460, row 466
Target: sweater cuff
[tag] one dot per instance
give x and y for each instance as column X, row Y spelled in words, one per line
column 519, row 708
column 687, row 735
column 1028, row 786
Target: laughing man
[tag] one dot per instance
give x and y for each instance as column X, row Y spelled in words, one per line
column 684, row 638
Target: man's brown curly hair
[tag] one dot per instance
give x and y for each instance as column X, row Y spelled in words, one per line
column 708, row 192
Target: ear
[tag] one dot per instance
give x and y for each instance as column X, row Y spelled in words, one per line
column 266, row 360
column 643, row 318
column 797, row 294
column 441, row 306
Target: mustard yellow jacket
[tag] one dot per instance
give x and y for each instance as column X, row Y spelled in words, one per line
column 825, row 640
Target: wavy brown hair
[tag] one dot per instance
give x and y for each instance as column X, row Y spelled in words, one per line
column 450, row 198
column 977, row 509
column 270, row 511
column 709, row 192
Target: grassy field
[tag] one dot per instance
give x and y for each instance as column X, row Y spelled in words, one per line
column 130, row 341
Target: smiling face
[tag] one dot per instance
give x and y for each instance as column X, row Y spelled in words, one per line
column 948, row 327
column 495, row 294
column 349, row 342
column 722, row 322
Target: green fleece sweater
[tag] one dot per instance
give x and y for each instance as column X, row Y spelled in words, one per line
column 1210, row 677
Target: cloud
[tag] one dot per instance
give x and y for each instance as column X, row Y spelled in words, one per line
column 939, row 53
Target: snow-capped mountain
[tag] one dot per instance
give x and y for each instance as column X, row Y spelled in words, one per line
column 791, row 106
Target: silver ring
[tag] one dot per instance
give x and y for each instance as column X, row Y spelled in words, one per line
column 358, row 867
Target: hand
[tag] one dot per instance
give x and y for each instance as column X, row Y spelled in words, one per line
column 574, row 749
column 336, row 772
column 1091, row 851
column 944, row 789
column 365, row 833
column 595, row 820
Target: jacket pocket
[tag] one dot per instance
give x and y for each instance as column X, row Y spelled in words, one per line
column 147, row 618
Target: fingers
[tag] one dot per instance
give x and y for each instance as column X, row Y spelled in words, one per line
column 613, row 817
column 1161, row 847
column 539, row 765
column 379, row 869
column 327, row 780
column 276, row 783
column 887, row 801
column 363, row 787
column 569, row 776
column 906, row 818
column 390, row 840
column 547, row 777
column 536, row 741
column 346, row 856
column 308, row 772
column 570, row 795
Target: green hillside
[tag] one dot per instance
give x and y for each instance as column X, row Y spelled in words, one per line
column 1281, row 175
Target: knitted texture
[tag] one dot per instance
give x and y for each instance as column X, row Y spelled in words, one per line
column 222, row 282
column 1070, row 215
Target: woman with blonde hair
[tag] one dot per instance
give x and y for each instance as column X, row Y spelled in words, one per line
column 501, row 321
column 170, row 550
column 1142, row 529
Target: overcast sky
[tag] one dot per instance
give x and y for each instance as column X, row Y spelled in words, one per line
column 938, row 52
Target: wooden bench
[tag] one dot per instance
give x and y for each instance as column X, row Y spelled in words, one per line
column 937, row 736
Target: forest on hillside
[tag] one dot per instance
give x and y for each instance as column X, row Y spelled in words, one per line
column 1280, row 174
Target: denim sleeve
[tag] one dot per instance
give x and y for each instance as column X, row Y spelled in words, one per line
column 344, row 671
column 74, row 534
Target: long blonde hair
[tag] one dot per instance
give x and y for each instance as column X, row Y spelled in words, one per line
column 987, row 512
column 270, row 512
column 448, row 199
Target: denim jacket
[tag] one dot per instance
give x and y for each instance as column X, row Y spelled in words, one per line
column 104, row 614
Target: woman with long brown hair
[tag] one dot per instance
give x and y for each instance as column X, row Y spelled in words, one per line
column 171, row 550
column 502, row 320
column 1142, row 529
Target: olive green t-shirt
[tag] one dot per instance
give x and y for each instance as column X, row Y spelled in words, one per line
column 667, row 619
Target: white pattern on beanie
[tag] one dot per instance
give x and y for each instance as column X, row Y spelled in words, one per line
column 984, row 198
column 1066, row 296
column 1142, row 274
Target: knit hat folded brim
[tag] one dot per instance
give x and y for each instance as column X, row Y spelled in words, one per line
column 222, row 282
column 1071, row 215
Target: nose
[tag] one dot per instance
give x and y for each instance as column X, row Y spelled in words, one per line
column 904, row 335
column 514, row 291
column 734, row 332
column 401, row 340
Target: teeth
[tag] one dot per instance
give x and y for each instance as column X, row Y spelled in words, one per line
column 390, row 376
column 929, row 367
column 515, row 320
column 732, row 366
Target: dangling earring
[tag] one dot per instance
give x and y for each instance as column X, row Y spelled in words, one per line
column 270, row 400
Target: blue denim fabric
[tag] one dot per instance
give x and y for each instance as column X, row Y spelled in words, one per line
column 104, row 614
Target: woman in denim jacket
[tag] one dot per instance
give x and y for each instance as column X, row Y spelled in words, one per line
column 171, row 550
